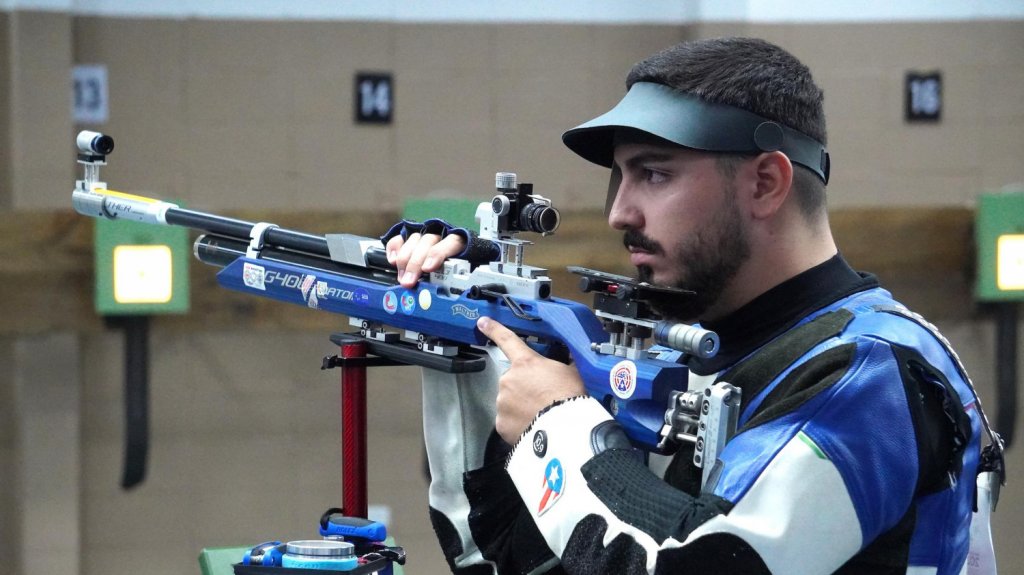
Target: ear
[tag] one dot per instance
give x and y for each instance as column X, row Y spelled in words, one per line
column 773, row 182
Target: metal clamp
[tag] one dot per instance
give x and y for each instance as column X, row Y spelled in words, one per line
column 719, row 414
column 707, row 418
column 256, row 239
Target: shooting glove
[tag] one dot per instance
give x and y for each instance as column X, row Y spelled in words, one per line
column 477, row 251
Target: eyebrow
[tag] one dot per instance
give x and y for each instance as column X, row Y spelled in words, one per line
column 641, row 158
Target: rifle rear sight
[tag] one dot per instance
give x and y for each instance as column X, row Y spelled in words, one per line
column 520, row 210
column 515, row 208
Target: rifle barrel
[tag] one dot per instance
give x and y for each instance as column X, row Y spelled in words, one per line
column 240, row 229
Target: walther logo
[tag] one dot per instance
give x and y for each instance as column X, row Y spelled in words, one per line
column 468, row 313
column 113, row 206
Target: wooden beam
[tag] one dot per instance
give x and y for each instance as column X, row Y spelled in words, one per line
column 924, row 255
column 45, row 273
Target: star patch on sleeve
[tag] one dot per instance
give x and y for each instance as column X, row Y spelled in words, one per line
column 554, row 485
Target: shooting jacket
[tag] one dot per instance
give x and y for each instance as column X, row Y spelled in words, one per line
column 856, row 452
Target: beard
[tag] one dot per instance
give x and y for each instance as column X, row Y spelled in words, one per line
column 705, row 261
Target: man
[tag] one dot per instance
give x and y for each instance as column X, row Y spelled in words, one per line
column 859, row 436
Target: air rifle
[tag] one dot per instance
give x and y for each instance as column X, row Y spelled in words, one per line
column 434, row 324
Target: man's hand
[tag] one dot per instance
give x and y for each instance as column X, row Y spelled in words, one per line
column 532, row 383
column 421, row 254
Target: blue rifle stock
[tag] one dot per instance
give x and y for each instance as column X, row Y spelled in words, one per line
column 349, row 275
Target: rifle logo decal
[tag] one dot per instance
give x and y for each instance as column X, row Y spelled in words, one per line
column 425, row 299
column 361, row 296
column 623, row 379
column 314, row 291
column 408, row 302
column 252, row 276
column 390, row 302
column 309, row 295
column 466, row 312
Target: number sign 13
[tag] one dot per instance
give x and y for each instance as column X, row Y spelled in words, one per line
column 89, row 94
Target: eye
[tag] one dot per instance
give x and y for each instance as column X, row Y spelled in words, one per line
column 654, row 176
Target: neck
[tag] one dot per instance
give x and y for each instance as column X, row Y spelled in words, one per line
column 777, row 253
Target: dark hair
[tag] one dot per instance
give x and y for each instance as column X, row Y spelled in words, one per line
column 754, row 75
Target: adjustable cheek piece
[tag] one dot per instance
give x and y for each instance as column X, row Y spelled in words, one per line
column 674, row 118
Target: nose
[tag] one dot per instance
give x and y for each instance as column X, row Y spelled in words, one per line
column 624, row 213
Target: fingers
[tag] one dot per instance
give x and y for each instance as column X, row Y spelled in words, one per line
column 409, row 257
column 392, row 247
column 420, row 254
column 451, row 246
column 509, row 343
column 417, row 253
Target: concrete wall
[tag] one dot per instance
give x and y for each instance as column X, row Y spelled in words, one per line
column 5, row 110
column 245, row 449
column 9, row 473
column 879, row 159
column 221, row 113
column 224, row 114
column 38, row 111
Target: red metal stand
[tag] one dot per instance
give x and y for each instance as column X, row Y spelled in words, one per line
column 353, row 431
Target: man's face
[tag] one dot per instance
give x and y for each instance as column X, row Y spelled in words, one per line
column 682, row 224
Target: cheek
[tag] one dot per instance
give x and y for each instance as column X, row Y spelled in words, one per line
column 670, row 222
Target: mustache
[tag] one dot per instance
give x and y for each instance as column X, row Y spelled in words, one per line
column 633, row 238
